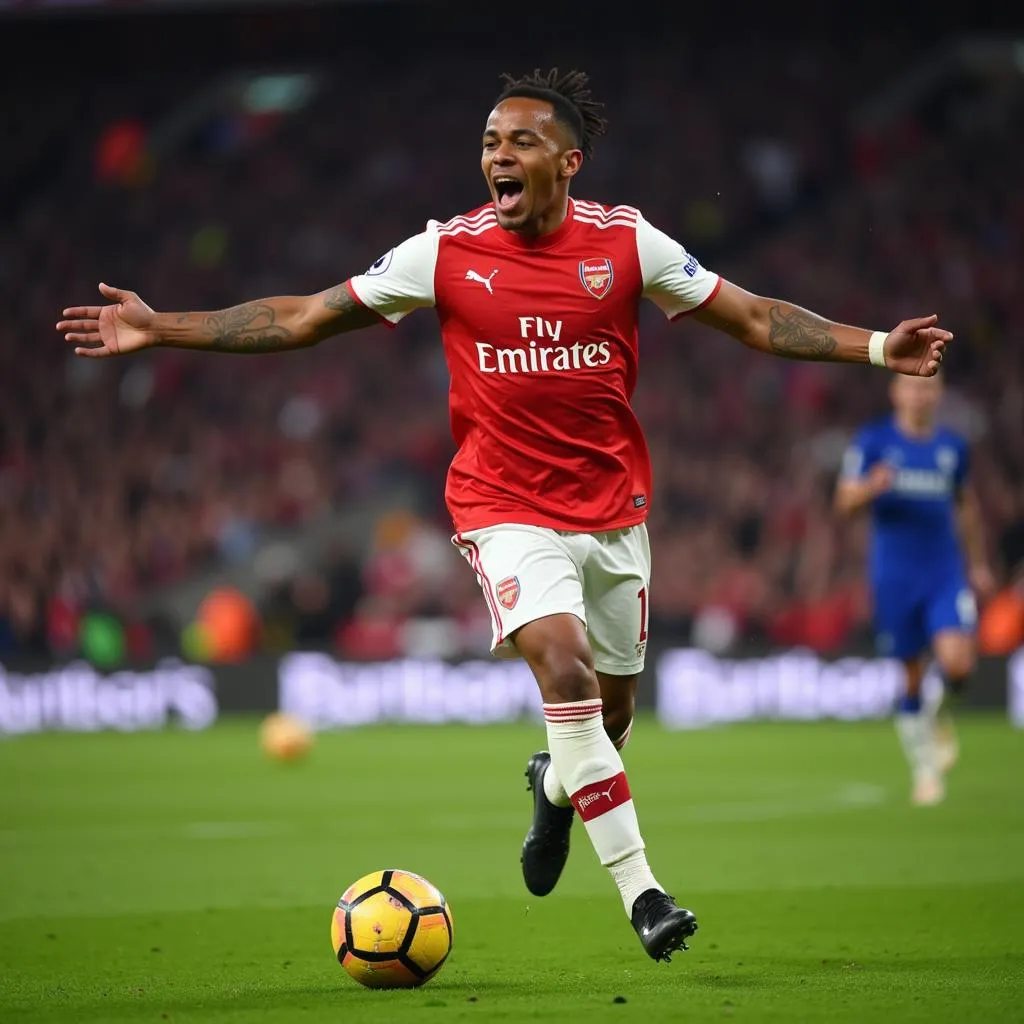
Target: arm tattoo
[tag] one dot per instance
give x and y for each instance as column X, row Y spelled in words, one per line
column 340, row 300
column 250, row 327
column 797, row 334
column 350, row 313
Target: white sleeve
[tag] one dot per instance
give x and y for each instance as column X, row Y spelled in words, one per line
column 673, row 279
column 402, row 279
column 853, row 463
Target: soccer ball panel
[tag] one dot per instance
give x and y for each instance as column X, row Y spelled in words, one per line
column 419, row 891
column 371, row 881
column 383, row 974
column 337, row 929
column 430, row 942
column 378, row 924
column 391, row 929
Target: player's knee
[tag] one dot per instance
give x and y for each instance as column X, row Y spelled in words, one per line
column 958, row 664
column 565, row 676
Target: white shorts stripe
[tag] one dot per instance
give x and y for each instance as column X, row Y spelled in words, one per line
column 473, row 554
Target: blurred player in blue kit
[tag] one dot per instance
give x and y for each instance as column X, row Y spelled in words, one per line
column 927, row 563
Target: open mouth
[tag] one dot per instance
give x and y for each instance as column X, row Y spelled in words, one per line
column 508, row 192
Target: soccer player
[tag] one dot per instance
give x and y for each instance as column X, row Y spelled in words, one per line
column 913, row 473
column 537, row 295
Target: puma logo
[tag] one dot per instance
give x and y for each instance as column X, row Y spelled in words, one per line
column 472, row 275
column 588, row 798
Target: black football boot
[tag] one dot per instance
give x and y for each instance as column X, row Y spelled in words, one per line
column 546, row 846
column 662, row 926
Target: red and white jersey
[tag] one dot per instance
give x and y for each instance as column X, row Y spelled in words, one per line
column 541, row 341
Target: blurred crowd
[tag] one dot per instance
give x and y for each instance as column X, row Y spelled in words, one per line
column 119, row 478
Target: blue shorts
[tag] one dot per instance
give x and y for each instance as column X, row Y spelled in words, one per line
column 909, row 613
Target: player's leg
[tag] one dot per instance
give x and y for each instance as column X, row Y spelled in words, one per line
column 618, row 699
column 591, row 770
column 546, row 846
column 955, row 656
column 618, row 706
column 527, row 573
column 916, row 731
column 530, row 574
column 616, row 582
column 899, row 619
column 952, row 616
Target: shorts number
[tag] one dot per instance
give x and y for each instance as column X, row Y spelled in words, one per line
column 643, row 613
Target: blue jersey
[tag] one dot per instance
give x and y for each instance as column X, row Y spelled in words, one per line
column 914, row 532
column 917, row 571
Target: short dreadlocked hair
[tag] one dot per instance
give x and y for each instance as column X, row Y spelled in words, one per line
column 569, row 95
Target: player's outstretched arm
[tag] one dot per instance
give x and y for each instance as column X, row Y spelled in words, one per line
column 854, row 495
column 914, row 347
column 127, row 324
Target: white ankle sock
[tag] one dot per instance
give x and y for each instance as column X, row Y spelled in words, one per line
column 633, row 876
column 590, row 769
column 917, row 737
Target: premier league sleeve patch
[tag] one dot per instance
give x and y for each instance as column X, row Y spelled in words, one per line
column 381, row 265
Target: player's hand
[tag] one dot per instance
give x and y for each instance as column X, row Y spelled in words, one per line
column 879, row 478
column 915, row 347
column 983, row 581
column 114, row 330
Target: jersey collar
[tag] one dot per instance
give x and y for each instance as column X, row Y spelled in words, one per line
column 552, row 238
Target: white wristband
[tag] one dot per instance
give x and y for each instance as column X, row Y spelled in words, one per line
column 876, row 348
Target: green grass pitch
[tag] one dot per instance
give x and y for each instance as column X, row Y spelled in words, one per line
column 182, row 877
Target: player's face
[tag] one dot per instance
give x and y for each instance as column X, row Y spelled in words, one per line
column 916, row 398
column 527, row 161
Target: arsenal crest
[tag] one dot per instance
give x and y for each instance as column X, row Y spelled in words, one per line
column 597, row 276
column 508, row 592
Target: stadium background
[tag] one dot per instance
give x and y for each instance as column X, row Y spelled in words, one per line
column 200, row 539
column 218, row 510
column 213, row 509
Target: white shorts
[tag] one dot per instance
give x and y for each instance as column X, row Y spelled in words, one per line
column 528, row 572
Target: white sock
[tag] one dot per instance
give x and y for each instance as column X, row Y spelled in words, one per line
column 624, row 738
column 916, row 731
column 553, row 788
column 633, row 876
column 586, row 760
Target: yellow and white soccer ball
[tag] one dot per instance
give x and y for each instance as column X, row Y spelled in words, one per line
column 284, row 737
column 392, row 929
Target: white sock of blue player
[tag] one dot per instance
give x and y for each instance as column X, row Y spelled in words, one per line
column 916, row 730
column 553, row 788
column 586, row 759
